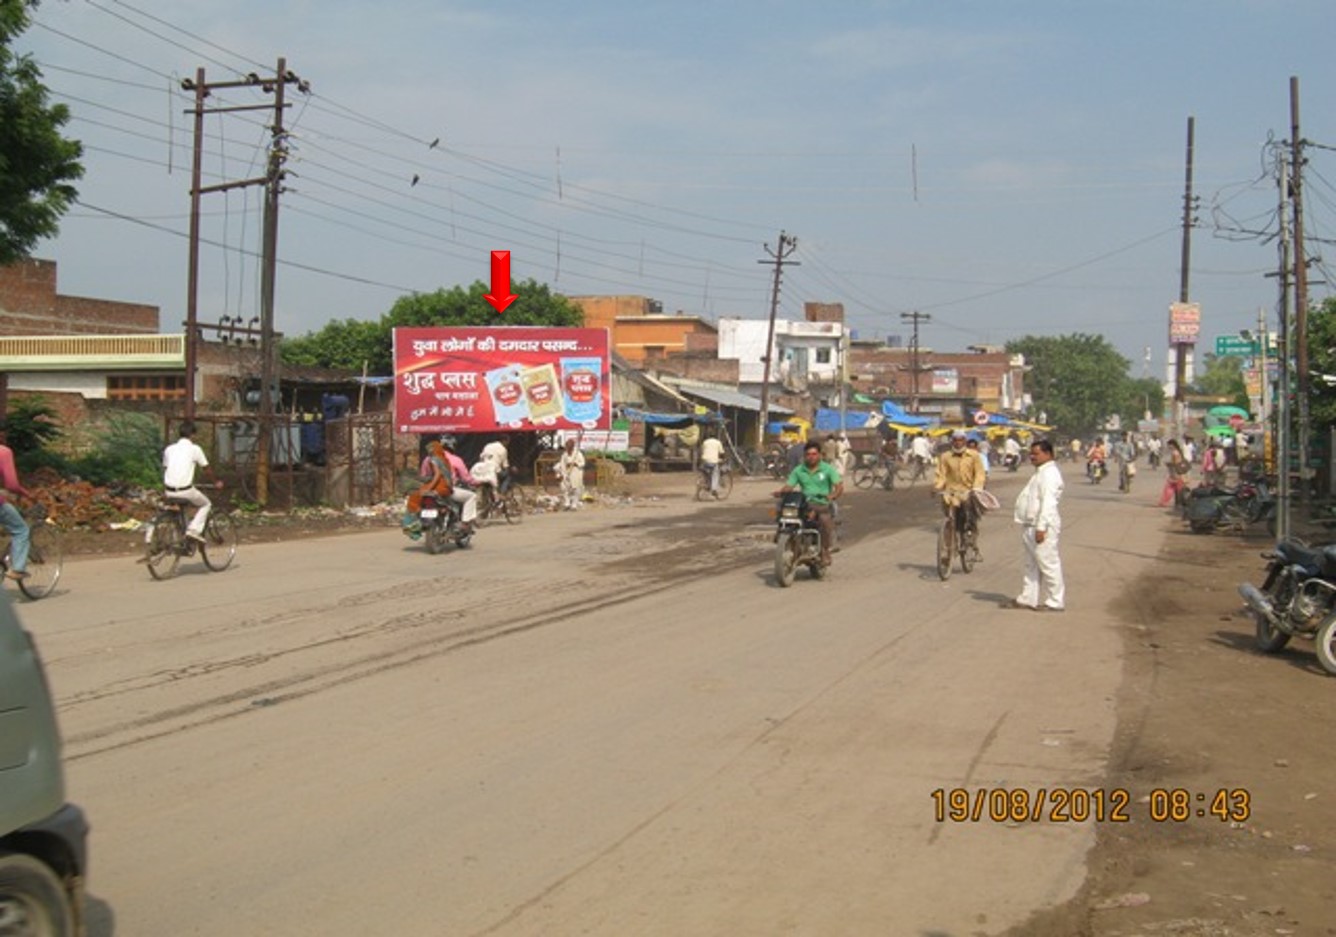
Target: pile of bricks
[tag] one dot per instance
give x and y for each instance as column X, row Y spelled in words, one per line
column 79, row 504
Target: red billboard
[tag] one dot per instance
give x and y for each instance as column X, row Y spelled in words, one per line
column 477, row 380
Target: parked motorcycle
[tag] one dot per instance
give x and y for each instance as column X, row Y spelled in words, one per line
column 1297, row 600
column 1209, row 507
column 441, row 523
column 797, row 539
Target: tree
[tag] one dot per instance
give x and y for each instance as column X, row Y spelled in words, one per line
column 1145, row 394
column 1077, row 380
column 1322, row 365
column 36, row 162
column 1222, row 376
column 350, row 344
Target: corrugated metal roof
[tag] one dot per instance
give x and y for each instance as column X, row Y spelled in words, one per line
column 729, row 398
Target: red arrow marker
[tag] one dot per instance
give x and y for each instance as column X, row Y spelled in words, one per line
column 500, row 297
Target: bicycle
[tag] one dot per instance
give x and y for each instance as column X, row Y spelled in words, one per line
column 46, row 556
column 703, row 480
column 165, row 540
column 507, row 506
column 959, row 535
column 913, row 470
column 881, row 472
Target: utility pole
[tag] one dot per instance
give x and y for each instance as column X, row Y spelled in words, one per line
column 778, row 257
column 1283, row 360
column 278, row 155
column 1300, row 258
column 914, row 317
column 272, row 180
column 1180, row 348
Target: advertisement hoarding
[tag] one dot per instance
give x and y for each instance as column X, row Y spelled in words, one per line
column 1184, row 323
column 945, row 381
column 476, row 380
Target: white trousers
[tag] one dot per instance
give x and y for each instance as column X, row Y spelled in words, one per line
column 468, row 504
column 1042, row 584
column 572, row 489
column 198, row 500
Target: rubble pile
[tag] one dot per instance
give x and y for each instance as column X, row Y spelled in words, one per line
column 77, row 504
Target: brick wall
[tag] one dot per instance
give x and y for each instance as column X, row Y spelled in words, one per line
column 31, row 305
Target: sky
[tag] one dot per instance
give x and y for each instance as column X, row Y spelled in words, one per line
column 1007, row 168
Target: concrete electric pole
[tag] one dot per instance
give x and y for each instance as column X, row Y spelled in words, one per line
column 778, row 257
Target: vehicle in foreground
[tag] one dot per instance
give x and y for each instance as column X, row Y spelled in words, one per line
column 43, row 839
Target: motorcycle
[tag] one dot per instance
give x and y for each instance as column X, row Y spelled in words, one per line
column 797, row 539
column 1096, row 469
column 1011, row 461
column 1297, row 600
column 1209, row 507
column 441, row 523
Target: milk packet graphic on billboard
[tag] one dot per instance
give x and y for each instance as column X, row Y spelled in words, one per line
column 580, row 390
column 507, row 392
column 541, row 393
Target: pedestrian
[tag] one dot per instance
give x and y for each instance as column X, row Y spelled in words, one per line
column 830, row 450
column 977, row 448
column 1037, row 512
column 1176, row 468
column 844, row 455
column 179, row 461
column 570, row 467
column 20, row 536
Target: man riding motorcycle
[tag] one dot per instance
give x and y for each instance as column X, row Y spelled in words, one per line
column 820, row 484
column 1096, row 457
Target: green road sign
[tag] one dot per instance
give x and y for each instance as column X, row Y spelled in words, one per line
column 1235, row 345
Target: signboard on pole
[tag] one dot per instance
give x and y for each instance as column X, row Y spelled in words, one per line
column 1184, row 323
column 1236, row 345
column 476, row 380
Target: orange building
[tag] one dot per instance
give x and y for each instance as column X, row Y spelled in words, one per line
column 640, row 332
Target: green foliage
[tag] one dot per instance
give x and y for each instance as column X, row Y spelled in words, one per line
column 30, row 424
column 128, row 452
column 1222, row 376
column 1322, row 360
column 1077, row 380
column 350, row 343
column 36, row 162
column 1142, row 394
column 347, row 344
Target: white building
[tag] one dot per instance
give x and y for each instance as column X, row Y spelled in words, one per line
column 803, row 353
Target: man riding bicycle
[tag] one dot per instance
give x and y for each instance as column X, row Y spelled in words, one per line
column 960, row 472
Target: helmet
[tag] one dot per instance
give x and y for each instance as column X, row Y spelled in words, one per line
column 449, row 441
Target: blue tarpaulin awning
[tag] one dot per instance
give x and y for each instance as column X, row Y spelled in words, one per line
column 673, row 420
column 829, row 420
column 897, row 414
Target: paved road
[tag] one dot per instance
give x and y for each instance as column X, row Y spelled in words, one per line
column 605, row 722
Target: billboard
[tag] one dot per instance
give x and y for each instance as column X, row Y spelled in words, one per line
column 1184, row 323
column 945, row 381
column 476, row 380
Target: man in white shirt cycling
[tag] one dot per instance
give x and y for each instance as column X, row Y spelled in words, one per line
column 711, row 457
column 179, row 461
